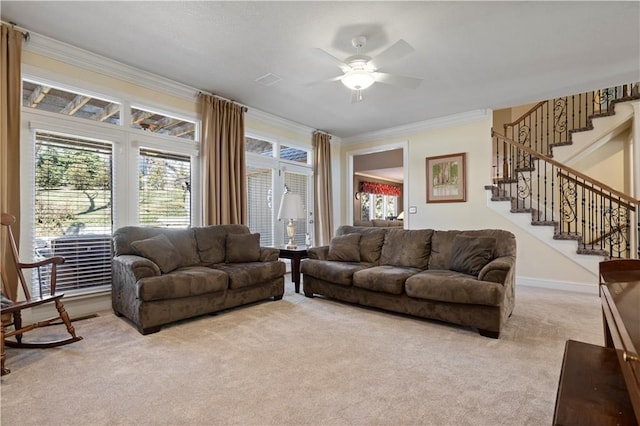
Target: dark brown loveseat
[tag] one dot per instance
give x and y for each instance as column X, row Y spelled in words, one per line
column 165, row 275
column 462, row 277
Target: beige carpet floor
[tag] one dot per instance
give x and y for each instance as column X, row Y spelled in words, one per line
column 303, row 361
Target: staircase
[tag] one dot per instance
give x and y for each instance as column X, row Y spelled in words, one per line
column 597, row 219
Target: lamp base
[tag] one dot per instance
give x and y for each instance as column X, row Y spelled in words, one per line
column 291, row 232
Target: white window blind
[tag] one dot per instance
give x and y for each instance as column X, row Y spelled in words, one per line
column 164, row 189
column 261, row 203
column 73, row 208
column 297, row 184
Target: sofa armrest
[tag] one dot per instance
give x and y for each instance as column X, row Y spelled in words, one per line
column 269, row 254
column 137, row 267
column 319, row 253
column 497, row 270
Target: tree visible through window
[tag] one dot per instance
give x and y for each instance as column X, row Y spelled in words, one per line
column 73, row 205
column 164, row 189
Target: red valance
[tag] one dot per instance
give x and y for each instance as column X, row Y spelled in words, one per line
column 380, row 188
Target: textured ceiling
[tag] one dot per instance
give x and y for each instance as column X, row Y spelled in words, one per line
column 470, row 55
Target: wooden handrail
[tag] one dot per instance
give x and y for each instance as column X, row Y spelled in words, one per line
column 567, row 169
column 606, row 235
column 522, row 117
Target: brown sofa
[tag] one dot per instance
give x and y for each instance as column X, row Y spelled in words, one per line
column 461, row 277
column 164, row 275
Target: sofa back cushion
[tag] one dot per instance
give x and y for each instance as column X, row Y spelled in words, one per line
column 241, row 248
column 211, row 241
column 371, row 240
column 182, row 239
column 470, row 254
column 159, row 250
column 403, row 247
column 345, row 248
column 442, row 244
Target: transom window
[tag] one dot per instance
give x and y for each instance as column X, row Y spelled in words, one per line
column 47, row 98
column 156, row 122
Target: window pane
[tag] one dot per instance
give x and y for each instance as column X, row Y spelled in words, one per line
column 163, row 124
column 293, row 154
column 73, row 208
column 260, row 203
column 258, row 146
column 46, row 98
column 297, row 184
column 365, row 201
column 164, row 189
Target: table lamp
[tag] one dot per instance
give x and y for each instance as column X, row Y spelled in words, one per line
column 291, row 208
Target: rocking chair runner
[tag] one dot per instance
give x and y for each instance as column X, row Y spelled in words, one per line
column 14, row 308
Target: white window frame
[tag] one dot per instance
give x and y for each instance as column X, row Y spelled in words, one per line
column 126, row 143
column 281, row 166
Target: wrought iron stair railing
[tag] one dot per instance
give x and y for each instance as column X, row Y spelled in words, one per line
column 580, row 208
column 552, row 122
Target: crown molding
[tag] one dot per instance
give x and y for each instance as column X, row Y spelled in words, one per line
column 420, row 126
column 76, row 56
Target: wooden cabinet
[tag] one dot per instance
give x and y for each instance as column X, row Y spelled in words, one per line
column 600, row 385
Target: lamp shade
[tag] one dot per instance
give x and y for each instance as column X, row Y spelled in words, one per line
column 291, row 207
column 358, row 79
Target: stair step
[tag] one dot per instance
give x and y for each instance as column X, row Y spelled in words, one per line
column 594, row 252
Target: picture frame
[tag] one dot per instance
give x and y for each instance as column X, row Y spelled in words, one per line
column 446, row 178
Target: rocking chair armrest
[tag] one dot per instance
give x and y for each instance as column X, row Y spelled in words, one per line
column 57, row 260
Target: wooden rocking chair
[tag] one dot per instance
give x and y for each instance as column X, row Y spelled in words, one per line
column 12, row 308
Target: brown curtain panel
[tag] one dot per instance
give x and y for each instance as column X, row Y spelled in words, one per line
column 224, row 163
column 10, row 75
column 322, row 188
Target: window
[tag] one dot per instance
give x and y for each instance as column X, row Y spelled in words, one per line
column 261, row 203
column 93, row 169
column 73, row 202
column 376, row 206
column 270, row 167
column 164, row 189
column 47, row 98
column 378, row 200
column 155, row 122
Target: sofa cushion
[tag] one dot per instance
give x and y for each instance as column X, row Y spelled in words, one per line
column 211, row 241
column 384, row 279
column 251, row 273
column 470, row 254
column 370, row 241
column 334, row 272
column 182, row 239
column 242, row 248
column 159, row 250
column 453, row 287
column 407, row 248
column 183, row 282
column 442, row 243
column 345, row 248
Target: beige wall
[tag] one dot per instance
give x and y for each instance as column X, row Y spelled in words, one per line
column 535, row 259
column 71, row 74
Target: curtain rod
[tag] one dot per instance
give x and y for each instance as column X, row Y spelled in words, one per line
column 323, row 133
column 24, row 31
column 202, row 92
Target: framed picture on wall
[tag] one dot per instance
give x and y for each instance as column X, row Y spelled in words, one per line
column 446, row 178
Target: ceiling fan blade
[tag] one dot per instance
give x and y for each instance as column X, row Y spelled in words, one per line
column 321, row 53
column 326, row 80
column 394, row 52
column 398, row 80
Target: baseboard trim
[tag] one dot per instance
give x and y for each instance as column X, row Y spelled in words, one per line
column 585, row 288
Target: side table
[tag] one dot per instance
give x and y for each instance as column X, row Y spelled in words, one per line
column 295, row 255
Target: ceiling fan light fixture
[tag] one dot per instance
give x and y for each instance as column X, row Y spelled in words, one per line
column 358, row 79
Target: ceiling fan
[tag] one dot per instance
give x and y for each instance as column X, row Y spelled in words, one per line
column 361, row 71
